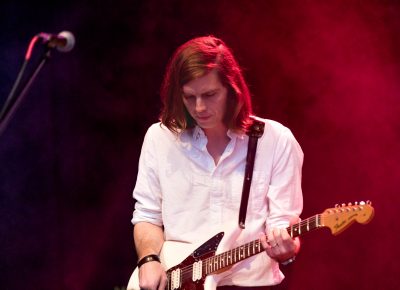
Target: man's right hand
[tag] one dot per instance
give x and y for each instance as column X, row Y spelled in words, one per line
column 152, row 276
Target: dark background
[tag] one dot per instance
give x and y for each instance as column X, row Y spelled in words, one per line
column 329, row 70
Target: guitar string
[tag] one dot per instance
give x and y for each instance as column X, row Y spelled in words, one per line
column 186, row 270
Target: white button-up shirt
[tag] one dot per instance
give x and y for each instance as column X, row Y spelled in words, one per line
column 180, row 188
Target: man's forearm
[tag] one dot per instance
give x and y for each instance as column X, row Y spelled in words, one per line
column 148, row 238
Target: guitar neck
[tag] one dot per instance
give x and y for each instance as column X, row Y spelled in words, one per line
column 218, row 262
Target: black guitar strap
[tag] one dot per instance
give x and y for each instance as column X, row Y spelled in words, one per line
column 255, row 131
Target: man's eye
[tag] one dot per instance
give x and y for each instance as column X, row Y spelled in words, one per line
column 210, row 94
column 188, row 97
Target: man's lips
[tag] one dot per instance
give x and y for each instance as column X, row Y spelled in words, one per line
column 202, row 118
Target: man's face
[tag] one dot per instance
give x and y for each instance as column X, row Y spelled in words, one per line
column 205, row 99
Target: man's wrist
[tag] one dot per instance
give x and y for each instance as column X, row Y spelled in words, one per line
column 148, row 258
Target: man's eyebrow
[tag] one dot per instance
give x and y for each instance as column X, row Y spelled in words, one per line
column 211, row 91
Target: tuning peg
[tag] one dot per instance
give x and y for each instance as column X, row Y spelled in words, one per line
column 337, row 205
column 349, row 204
column 362, row 203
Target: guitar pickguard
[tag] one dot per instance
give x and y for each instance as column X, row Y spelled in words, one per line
column 210, row 246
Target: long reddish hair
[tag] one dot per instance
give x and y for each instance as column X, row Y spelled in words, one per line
column 192, row 60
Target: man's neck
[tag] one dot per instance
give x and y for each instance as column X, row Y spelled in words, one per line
column 217, row 141
column 216, row 133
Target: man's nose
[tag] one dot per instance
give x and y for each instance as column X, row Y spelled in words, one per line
column 200, row 105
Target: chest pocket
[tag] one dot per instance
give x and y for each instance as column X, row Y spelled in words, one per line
column 258, row 191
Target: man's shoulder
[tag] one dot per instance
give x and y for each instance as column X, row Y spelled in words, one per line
column 159, row 132
column 158, row 128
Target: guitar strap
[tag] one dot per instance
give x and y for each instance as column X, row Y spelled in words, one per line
column 255, row 131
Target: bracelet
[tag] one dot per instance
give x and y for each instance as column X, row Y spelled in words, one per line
column 148, row 258
column 289, row 261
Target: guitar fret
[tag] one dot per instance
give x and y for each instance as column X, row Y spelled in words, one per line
column 236, row 255
column 209, row 266
column 305, row 225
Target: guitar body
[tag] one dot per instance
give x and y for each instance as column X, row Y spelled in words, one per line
column 186, row 281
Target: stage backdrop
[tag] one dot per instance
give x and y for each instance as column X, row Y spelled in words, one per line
column 329, row 70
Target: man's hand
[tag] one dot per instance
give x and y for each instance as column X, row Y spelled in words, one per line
column 279, row 245
column 152, row 276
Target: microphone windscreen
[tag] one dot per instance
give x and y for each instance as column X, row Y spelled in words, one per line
column 69, row 41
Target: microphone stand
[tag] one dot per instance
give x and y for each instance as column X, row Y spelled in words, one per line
column 14, row 98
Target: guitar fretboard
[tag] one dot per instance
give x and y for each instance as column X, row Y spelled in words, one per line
column 231, row 257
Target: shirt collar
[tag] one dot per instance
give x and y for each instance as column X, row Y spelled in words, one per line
column 197, row 138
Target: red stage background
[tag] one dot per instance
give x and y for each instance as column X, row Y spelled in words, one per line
column 329, row 70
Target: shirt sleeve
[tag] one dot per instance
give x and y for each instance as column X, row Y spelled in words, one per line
column 147, row 192
column 285, row 198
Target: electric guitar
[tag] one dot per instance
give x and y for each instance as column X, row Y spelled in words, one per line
column 190, row 274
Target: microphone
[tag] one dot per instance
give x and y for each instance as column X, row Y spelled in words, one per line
column 64, row 41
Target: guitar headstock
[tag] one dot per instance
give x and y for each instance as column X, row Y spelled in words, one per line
column 342, row 216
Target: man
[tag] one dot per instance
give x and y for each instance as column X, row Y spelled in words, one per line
column 191, row 172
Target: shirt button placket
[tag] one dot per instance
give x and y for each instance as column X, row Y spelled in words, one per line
column 216, row 201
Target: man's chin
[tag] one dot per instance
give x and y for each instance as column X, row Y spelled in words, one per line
column 204, row 125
